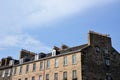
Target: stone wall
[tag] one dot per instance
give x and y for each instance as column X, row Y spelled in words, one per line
column 6, row 76
column 100, row 60
column 60, row 69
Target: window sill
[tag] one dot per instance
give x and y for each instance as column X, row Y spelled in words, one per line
column 56, row 67
column 65, row 65
column 41, row 69
column 74, row 63
column 47, row 68
column 20, row 73
column 14, row 75
column 33, row 70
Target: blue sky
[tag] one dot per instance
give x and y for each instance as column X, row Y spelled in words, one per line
column 38, row 25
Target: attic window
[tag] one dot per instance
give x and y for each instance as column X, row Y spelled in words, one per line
column 36, row 57
column 21, row 61
column 11, row 62
column 53, row 52
column 97, row 49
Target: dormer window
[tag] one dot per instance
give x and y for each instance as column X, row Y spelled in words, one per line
column 36, row 57
column 11, row 62
column 21, row 61
column 53, row 52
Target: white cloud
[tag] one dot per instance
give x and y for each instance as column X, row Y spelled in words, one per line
column 22, row 41
column 51, row 10
column 18, row 14
column 26, row 13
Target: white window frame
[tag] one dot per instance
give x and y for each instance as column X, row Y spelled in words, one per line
column 3, row 73
column 53, row 52
column 74, row 74
column 56, row 62
column 21, row 61
column 65, row 60
column 65, row 75
column 56, row 76
column 34, row 66
column 15, row 70
column 36, row 57
column 74, row 59
column 20, row 71
column 11, row 62
column 9, row 71
column 48, row 64
column 41, row 65
column 27, row 68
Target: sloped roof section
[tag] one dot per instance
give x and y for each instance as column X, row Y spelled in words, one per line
column 74, row 48
column 68, row 50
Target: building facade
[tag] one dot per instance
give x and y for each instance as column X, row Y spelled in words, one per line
column 6, row 68
column 96, row 60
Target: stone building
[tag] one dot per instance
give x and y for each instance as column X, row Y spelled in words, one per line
column 96, row 60
column 100, row 61
column 6, row 68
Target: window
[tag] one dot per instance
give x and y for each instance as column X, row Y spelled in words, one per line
column 65, row 76
column 107, row 62
column 27, row 68
column 3, row 73
column 26, row 78
column 74, row 75
column 65, row 60
column 47, row 76
column 34, row 66
column 97, row 49
column 56, row 62
column 56, row 76
column 74, row 59
column 48, row 63
column 11, row 62
column 36, row 57
column 9, row 72
column 108, row 78
column 21, row 61
column 106, row 51
column 20, row 70
column 53, row 52
column 41, row 65
column 33, row 78
column 40, row 77
column 15, row 69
